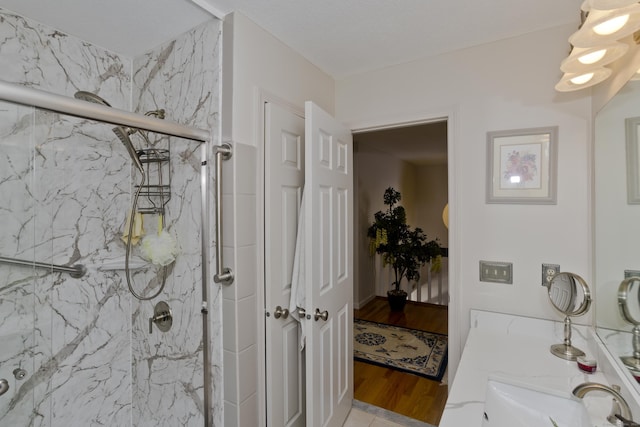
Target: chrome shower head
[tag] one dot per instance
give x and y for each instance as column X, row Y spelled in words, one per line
column 121, row 132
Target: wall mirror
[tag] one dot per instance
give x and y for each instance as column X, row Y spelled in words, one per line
column 570, row 295
column 617, row 218
column 629, row 308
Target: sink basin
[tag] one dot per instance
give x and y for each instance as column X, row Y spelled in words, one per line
column 512, row 405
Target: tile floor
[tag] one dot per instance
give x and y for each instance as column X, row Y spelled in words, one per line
column 365, row 415
column 358, row 418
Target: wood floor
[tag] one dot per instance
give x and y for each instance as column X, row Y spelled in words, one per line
column 403, row 393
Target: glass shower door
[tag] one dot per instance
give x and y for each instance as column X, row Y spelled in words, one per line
column 77, row 351
column 17, row 283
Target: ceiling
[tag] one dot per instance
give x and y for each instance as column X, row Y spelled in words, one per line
column 345, row 37
column 342, row 37
column 421, row 144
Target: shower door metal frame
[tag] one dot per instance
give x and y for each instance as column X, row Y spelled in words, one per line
column 74, row 107
column 30, row 97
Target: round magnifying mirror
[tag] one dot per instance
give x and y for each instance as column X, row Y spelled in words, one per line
column 629, row 307
column 570, row 295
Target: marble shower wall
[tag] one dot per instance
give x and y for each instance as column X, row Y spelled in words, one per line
column 65, row 187
column 64, row 182
column 180, row 77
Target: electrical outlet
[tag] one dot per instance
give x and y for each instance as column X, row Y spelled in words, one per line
column 548, row 271
column 631, row 273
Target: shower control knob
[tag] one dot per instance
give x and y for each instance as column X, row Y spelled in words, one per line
column 4, row 386
column 280, row 312
column 19, row 373
column 162, row 317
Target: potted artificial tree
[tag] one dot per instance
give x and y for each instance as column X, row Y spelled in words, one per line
column 402, row 247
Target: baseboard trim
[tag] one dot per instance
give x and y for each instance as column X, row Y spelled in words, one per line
column 358, row 305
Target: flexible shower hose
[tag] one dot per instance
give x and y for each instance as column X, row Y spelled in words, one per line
column 134, row 206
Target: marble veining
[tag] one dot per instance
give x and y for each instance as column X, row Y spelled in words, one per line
column 179, row 77
column 66, row 185
column 516, row 348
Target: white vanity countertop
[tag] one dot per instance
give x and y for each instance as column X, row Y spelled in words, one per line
column 512, row 347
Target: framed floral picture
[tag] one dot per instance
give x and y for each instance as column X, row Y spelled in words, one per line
column 521, row 166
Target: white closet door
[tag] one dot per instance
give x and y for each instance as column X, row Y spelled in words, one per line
column 329, row 268
column 284, row 181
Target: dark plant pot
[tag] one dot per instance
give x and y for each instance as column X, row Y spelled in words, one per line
column 397, row 300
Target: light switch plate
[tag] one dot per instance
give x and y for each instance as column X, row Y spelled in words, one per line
column 497, row 272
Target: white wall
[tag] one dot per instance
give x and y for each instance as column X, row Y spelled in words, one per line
column 503, row 85
column 256, row 67
column 263, row 63
column 432, row 196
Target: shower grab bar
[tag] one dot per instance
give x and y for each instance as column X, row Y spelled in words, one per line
column 223, row 275
column 24, row 95
column 75, row 271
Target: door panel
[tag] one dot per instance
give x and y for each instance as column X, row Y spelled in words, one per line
column 293, row 398
column 324, row 235
column 344, row 338
column 329, row 268
column 284, row 181
column 290, row 202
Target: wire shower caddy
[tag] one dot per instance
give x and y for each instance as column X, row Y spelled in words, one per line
column 156, row 191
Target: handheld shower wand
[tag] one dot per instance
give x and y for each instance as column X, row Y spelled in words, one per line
column 123, row 135
column 121, row 132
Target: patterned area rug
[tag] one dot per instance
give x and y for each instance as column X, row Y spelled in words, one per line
column 409, row 350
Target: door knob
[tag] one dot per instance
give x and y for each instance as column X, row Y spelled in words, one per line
column 4, row 386
column 301, row 312
column 324, row 315
column 280, row 312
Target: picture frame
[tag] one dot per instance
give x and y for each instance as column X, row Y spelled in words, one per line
column 522, row 166
column 632, row 135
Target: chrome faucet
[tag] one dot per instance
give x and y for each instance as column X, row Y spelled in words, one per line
column 623, row 422
column 620, row 406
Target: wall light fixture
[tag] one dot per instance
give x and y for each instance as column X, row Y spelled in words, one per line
column 597, row 42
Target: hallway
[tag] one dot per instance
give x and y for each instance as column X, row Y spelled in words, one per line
column 410, row 395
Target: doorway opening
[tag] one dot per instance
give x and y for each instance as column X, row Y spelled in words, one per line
column 413, row 160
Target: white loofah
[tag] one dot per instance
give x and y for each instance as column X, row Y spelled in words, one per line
column 159, row 249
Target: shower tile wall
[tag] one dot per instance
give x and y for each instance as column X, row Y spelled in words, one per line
column 65, row 186
column 182, row 78
column 16, row 238
column 76, row 330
